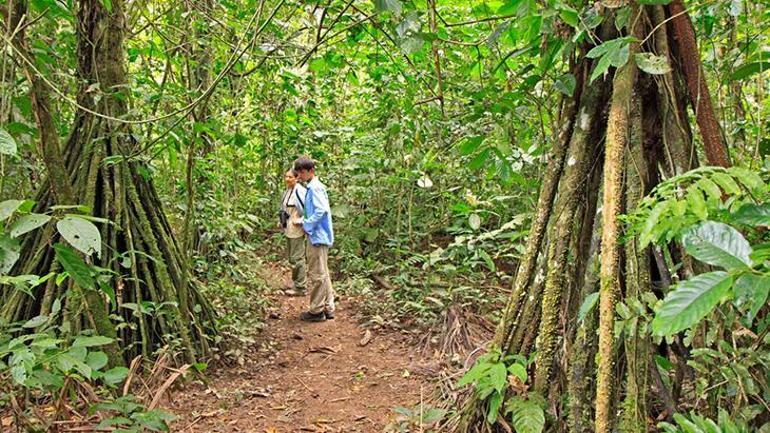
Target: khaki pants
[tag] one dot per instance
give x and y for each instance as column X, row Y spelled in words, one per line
column 321, row 291
column 296, row 252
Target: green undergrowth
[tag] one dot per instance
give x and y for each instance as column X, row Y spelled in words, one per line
column 239, row 292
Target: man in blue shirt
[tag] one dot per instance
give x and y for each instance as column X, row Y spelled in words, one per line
column 317, row 223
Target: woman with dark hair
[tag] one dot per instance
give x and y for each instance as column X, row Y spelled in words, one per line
column 292, row 208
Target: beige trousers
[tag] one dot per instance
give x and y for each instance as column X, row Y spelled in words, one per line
column 321, row 291
column 296, row 251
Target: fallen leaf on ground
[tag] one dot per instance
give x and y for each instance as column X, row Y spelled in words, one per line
column 367, row 338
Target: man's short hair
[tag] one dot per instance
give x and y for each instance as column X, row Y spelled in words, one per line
column 304, row 163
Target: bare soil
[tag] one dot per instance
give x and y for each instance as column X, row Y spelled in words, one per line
column 306, row 377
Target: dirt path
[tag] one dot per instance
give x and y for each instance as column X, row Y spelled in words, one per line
column 306, row 377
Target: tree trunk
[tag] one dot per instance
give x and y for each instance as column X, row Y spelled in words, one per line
column 609, row 284
column 142, row 251
column 647, row 137
column 700, row 97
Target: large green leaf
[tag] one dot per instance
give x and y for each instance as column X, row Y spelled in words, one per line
column 526, row 415
column 7, row 143
column 115, row 375
column 81, row 234
column 92, row 341
column 690, row 301
column 749, row 69
column 753, row 214
column 8, row 207
column 27, row 223
column 75, row 266
column 718, row 244
column 35, row 322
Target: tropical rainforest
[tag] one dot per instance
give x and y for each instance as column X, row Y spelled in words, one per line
column 549, row 215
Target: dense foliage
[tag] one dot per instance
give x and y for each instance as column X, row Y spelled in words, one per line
column 469, row 147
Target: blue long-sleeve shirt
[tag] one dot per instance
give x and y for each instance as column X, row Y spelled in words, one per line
column 318, row 214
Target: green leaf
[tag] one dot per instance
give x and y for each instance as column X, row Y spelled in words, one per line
column 81, row 234
column 498, row 375
column 519, row 371
column 696, row 203
column 115, row 375
column 602, row 66
column 75, row 266
column 753, row 214
column 654, row 2
column 388, row 6
column 566, row 84
column 710, row 188
column 690, row 301
column 109, row 291
column 510, row 7
column 35, row 322
column 27, row 223
column 727, row 183
column 587, row 306
column 619, row 57
column 494, row 407
column 752, row 290
column 474, row 374
column 19, row 374
column 7, row 143
column 487, row 260
column 569, row 16
column 652, row 64
column 477, row 162
column 67, row 363
column 107, row 5
column 750, row 69
column 92, row 341
column 717, row 244
column 9, row 253
column 155, row 420
column 648, row 234
column 622, row 15
column 8, row 207
column 96, row 360
column 749, row 178
column 526, row 416
column 470, row 144
column 412, row 44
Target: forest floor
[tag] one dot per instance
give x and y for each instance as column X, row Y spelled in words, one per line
column 332, row 376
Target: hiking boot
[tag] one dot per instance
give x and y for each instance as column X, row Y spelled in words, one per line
column 307, row 316
column 293, row 292
column 329, row 315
